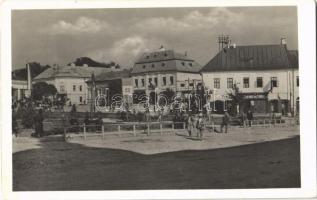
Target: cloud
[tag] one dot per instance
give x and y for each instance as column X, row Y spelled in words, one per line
column 125, row 50
column 81, row 25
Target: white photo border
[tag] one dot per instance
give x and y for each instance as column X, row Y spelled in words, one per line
column 307, row 70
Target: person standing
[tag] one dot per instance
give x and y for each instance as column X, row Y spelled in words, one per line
column 38, row 122
column 242, row 117
column 200, row 126
column 225, row 122
column 250, row 117
column 190, row 125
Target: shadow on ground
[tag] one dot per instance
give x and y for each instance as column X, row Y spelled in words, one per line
column 58, row 165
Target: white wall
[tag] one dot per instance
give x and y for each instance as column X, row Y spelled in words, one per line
column 286, row 83
column 68, row 83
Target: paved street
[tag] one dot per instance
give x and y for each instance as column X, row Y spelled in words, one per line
column 244, row 158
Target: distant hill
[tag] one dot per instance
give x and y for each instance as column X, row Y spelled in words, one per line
column 92, row 63
column 36, row 69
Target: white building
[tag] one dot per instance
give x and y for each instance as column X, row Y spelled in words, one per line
column 164, row 70
column 266, row 75
column 70, row 81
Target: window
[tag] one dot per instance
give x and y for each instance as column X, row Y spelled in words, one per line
column 191, row 84
column 74, row 87
column 172, row 80
column 182, row 85
column 191, row 64
column 147, row 57
column 153, row 65
column 155, row 81
column 163, row 64
column 274, row 82
column 246, row 82
column 259, row 82
column 80, row 99
column 183, row 63
column 229, row 82
column 297, row 81
column 217, row 83
column 164, row 81
column 62, row 88
column 144, row 66
column 150, row 81
column 80, row 88
column 142, row 81
column 136, row 82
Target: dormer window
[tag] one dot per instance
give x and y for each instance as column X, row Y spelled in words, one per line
column 144, row 66
column 163, row 64
column 147, row 57
column 183, row 63
column 153, row 65
column 191, row 64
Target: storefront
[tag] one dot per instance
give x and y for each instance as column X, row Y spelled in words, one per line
column 256, row 102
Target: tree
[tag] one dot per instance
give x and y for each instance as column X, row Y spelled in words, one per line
column 42, row 89
column 237, row 98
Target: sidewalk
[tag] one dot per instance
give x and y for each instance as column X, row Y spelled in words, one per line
column 156, row 143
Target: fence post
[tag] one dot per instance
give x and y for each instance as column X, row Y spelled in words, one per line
column 119, row 129
column 103, row 131
column 184, row 125
column 173, row 128
column 148, row 129
column 134, row 133
column 84, row 131
column 161, row 131
column 65, row 133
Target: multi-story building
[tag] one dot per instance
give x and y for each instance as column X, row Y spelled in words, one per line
column 70, row 80
column 266, row 77
column 163, row 70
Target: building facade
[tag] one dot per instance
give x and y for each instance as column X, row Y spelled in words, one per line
column 70, row 81
column 163, row 70
column 265, row 76
column 109, row 88
column 19, row 89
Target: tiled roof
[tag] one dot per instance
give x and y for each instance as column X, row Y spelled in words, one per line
column 71, row 71
column 293, row 55
column 166, row 60
column 257, row 57
column 105, row 76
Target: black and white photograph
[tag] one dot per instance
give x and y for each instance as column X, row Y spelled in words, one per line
column 156, row 98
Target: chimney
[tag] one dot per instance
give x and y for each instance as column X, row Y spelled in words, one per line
column 283, row 41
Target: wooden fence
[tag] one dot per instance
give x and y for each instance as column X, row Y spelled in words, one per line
column 102, row 130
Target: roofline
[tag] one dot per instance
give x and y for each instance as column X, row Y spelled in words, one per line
column 165, row 60
column 173, row 71
column 235, row 70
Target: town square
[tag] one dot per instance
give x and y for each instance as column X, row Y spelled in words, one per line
column 155, row 98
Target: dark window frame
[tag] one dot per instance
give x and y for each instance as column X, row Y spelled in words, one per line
column 217, row 83
column 259, row 82
column 246, row 82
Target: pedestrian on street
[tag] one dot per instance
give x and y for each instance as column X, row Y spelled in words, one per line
column 243, row 118
column 225, row 122
column 38, row 122
column 190, row 125
column 200, row 126
column 250, row 117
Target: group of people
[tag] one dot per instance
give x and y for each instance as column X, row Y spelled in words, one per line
column 197, row 123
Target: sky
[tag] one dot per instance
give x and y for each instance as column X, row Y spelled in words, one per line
column 122, row 35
